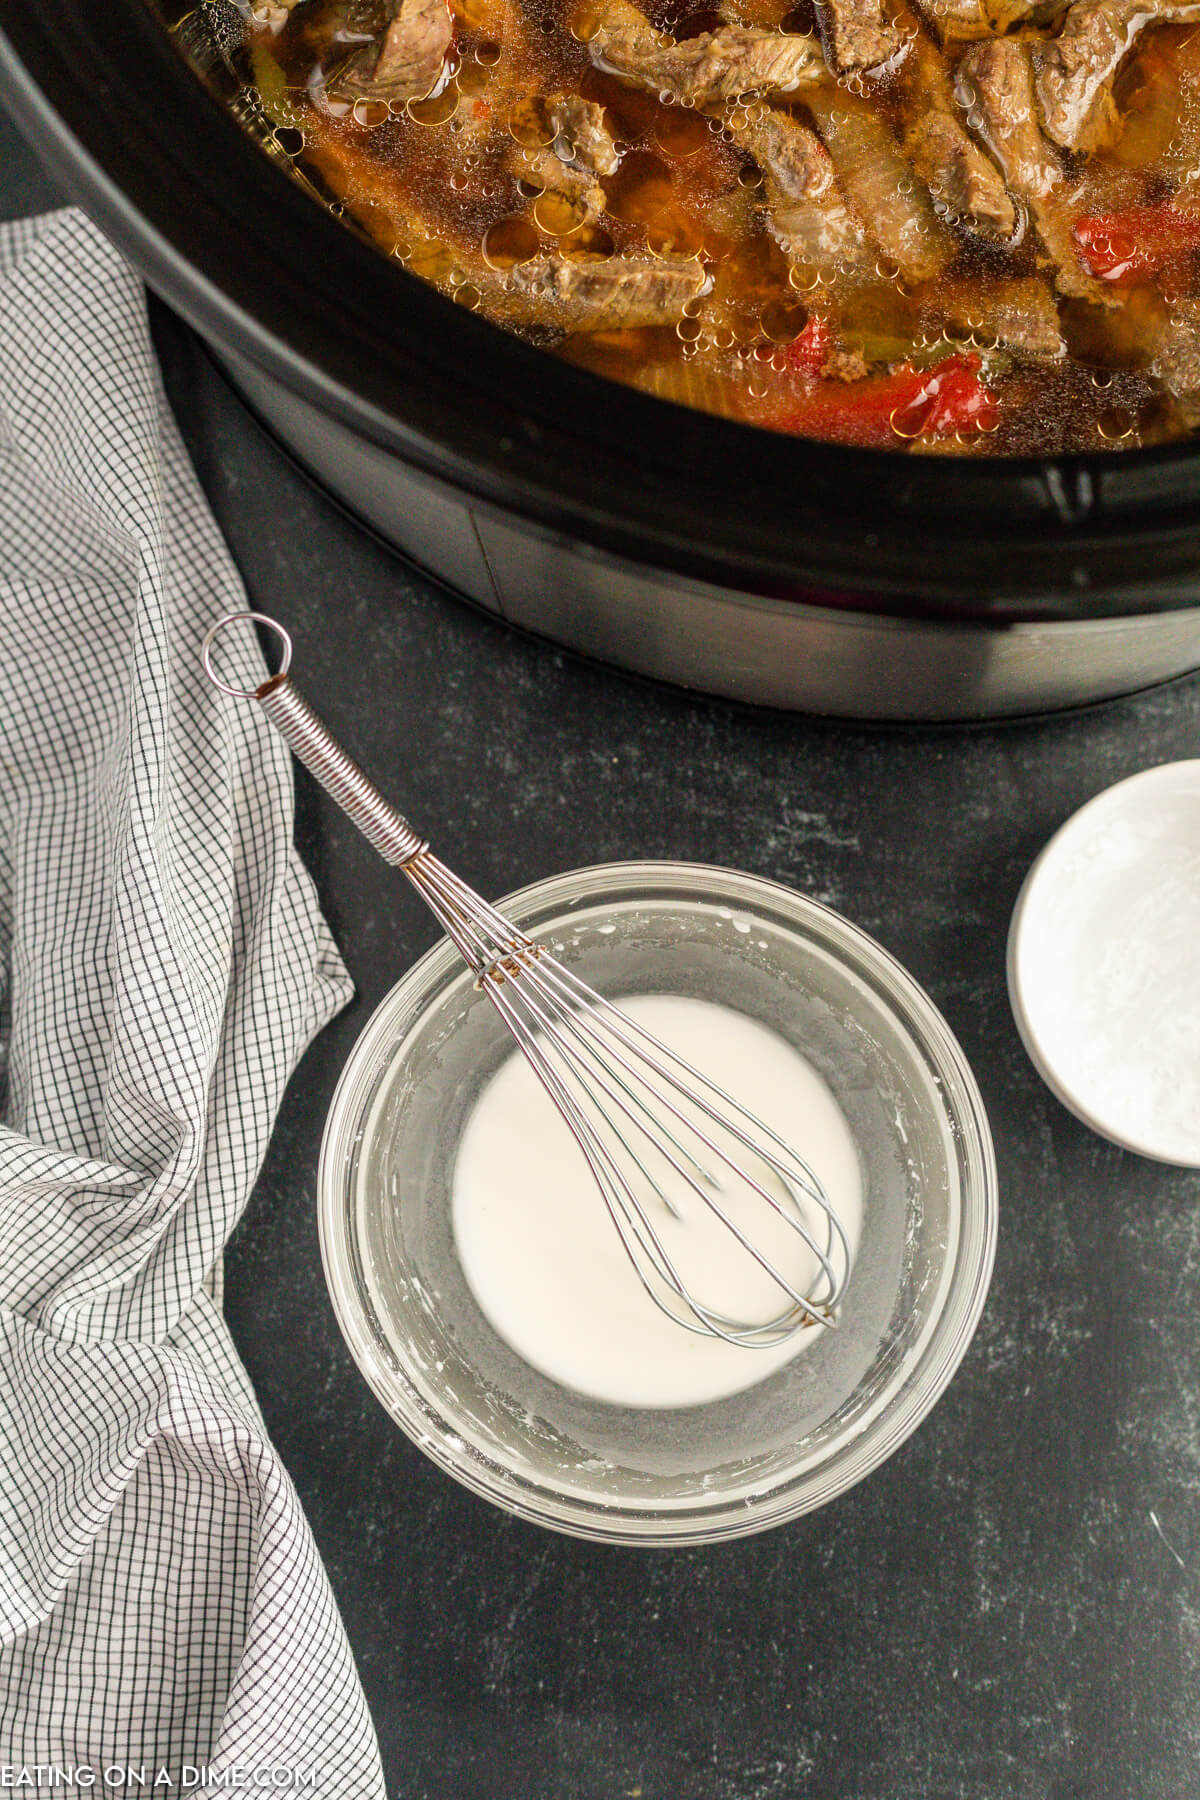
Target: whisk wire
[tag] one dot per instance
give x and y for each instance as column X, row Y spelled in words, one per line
column 621, row 1026
column 531, row 973
column 800, row 1176
column 640, row 1222
column 629, row 1220
column 516, row 972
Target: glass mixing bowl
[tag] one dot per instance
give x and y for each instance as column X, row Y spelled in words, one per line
column 808, row 1431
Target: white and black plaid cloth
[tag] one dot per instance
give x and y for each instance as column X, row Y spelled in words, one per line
column 163, row 963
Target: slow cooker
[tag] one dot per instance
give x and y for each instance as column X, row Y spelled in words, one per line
column 681, row 545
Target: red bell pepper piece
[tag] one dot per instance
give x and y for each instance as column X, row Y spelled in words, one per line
column 812, row 349
column 938, row 402
column 1130, row 246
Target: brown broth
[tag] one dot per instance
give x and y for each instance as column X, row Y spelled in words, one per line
column 430, row 184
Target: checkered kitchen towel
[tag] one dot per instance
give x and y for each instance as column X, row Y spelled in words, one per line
column 163, row 963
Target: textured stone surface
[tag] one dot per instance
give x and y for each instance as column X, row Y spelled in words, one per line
column 1010, row 1608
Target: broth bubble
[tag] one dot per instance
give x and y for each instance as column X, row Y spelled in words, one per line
column 435, row 109
column 908, row 422
column 556, row 215
column 681, row 132
column 1116, row 424
column 590, row 240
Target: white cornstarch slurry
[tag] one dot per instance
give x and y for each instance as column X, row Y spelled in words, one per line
column 548, row 1270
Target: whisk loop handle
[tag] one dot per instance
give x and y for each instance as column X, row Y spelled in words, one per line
column 316, row 747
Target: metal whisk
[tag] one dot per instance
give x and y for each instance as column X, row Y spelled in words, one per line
column 627, row 1099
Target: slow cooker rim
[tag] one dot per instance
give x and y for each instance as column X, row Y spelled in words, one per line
column 1028, row 538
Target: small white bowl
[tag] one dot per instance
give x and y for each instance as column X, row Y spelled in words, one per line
column 1104, row 963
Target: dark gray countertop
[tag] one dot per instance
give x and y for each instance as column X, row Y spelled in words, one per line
column 1010, row 1608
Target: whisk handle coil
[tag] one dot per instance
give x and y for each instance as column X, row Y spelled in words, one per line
column 315, row 746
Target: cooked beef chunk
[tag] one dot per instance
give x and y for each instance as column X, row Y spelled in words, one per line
column 770, row 14
column 806, row 214
column 581, row 137
column 708, row 70
column 603, row 293
column 935, row 140
column 878, row 184
column 845, row 365
column 576, row 147
column 543, row 168
column 407, row 64
column 998, row 79
column 859, row 34
column 1077, row 70
column 957, row 173
column 958, row 19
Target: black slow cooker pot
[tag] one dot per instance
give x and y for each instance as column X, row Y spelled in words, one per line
column 679, row 544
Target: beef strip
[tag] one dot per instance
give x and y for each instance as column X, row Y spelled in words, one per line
column 935, row 140
column 573, row 294
column 859, row 34
column 770, row 14
column 407, row 64
column 957, row 173
column 878, row 184
column 603, row 293
column 806, row 214
column 543, row 168
column 955, row 20
column 1077, row 70
column 998, row 78
column 845, row 365
column 709, row 70
column 581, row 136
column 578, row 147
